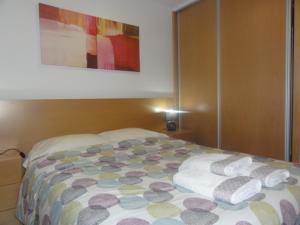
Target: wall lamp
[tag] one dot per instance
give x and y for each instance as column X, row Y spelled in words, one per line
column 171, row 117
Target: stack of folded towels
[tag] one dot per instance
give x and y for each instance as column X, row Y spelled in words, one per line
column 228, row 178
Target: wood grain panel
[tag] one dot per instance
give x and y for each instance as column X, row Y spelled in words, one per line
column 8, row 196
column 253, row 76
column 10, row 168
column 9, row 218
column 26, row 122
column 296, row 113
column 198, row 84
column 186, row 135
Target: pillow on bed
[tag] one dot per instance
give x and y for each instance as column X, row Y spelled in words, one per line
column 61, row 143
column 129, row 133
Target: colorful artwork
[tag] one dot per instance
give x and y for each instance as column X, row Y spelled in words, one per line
column 73, row 39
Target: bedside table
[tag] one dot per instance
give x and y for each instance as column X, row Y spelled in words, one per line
column 10, row 179
column 183, row 134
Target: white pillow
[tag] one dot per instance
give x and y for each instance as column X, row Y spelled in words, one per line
column 129, row 133
column 61, row 143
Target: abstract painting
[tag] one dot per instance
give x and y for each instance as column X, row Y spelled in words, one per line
column 70, row 38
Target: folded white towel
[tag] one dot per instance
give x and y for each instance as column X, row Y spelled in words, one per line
column 227, row 189
column 268, row 175
column 221, row 164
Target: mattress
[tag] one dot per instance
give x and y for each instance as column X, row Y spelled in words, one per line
column 129, row 182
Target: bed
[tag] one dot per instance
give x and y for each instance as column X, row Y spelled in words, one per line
column 124, row 177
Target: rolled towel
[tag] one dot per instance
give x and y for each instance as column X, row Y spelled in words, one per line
column 227, row 189
column 220, row 164
column 268, row 175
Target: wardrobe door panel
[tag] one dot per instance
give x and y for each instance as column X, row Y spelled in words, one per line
column 197, row 80
column 253, row 76
column 296, row 119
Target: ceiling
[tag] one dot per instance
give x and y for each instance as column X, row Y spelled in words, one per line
column 172, row 2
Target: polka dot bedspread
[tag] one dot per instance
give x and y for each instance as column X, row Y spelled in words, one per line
column 130, row 183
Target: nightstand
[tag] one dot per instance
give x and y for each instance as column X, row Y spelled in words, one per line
column 10, row 179
column 183, row 134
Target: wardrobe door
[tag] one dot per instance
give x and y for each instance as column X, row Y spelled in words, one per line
column 253, row 76
column 296, row 114
column 197, row 70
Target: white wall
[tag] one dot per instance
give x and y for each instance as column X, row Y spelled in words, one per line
column 22, row 76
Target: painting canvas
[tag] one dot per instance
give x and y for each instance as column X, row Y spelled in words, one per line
column 73, row 39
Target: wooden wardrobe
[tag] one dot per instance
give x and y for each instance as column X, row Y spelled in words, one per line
column 232, row 74
column 296, row 86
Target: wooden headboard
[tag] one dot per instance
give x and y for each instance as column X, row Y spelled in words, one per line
column 25, row 122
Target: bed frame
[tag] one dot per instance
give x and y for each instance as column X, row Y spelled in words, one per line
column 25, row 122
